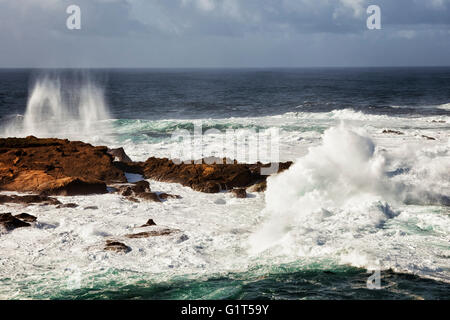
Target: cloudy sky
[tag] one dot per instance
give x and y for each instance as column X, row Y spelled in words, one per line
column 224, row 33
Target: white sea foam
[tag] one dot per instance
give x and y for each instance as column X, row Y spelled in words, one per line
column 339, row 201
column 343, row 200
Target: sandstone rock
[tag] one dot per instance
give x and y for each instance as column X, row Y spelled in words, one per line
column 119, row 155
column 28, row 199
column 206, row 177
column 116, row 246
column 26, row 217
column 9, row 222
column 55, row 166
column 239, row 193
column 72, row 187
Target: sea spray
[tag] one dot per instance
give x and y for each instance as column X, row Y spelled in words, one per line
column 68, row 105
column 344, row 176
column 350, row 201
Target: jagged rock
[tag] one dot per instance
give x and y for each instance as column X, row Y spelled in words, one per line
column 28, row 199
column 149, row 223
column 26, row 217
column 9, row 222
column 206, row 177
column 119, row 155
column 133, row 189
column 239, row 193
column 55, row 166
column 258, row 187
column 116, row 246
column 153, row 233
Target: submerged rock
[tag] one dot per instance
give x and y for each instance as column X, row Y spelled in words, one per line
column 165, row 196
column 389, row 131
column 258, row 187
column 116, row 246
column 152, row 233
column 149, row 196
column 428, row 138
column 67, row 205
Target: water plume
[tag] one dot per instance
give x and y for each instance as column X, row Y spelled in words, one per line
column 64, row 106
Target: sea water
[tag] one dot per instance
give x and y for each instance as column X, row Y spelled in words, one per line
column 354, row 201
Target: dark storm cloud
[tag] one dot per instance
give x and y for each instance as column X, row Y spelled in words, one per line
column 133, row 33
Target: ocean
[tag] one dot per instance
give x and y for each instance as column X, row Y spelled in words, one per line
column 368, row 193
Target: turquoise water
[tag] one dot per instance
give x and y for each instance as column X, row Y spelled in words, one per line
column 344, row 283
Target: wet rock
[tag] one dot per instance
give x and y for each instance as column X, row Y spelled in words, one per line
column 28, row 199
column 152, row 233
column 258, row 187
column 91, row 208
column 389, row 131
column 149, row 196
column 182, row 238
column 26, row 217
column 73, row 187
column 116, row 246
column 67, row 205
column 9, row 222
column 55, row 166
column 206, row 177
column 134, row 189
column 141, row 186
column 239, row 193
column 165, row 196
column 119, row 155
column 149, row 223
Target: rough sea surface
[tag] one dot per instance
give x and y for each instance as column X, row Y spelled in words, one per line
column 356, row 200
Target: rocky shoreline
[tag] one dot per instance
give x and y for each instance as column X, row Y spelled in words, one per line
column 41, row 169
column 65, row 168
